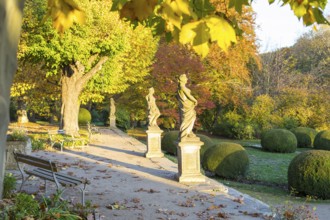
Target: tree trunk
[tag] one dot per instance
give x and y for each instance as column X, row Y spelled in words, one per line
column 71, row 89
column 11, row 12
column 73, row 81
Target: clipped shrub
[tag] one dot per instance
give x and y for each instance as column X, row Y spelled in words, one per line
column 305, row 136
column 322, row 140
column 170, row 138
column 168, row 142
column 207, row 144
column 228, row 160
column 84, row 116
column 279, row 140
column 308, row 174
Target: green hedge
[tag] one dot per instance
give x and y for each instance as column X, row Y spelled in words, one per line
column 322, row 140
column 228, row 160
column 170, row 138
column 305, row 136
column 309, row 174
column 84, row 116
column 168, row 142
column 208, row 142
column 279, row 140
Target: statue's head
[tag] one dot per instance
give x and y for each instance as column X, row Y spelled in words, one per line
column 151, row 90
column 183, row 78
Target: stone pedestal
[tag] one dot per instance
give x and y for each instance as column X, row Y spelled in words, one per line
column 154, row 142
column 21, row 146
column 189, row 161
column 112, row 121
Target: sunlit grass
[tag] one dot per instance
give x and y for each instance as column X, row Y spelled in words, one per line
column 266, row 178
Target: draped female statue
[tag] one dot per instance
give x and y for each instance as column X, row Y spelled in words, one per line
column 153, row 111
column 187, row 105
column 112, row 107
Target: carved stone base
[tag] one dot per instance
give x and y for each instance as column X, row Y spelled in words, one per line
column 112, row 121
column 189, row 161
column 154, row 142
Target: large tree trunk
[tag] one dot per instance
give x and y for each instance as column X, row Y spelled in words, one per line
column 73, row 81
column 71, row 89
column 11, row 12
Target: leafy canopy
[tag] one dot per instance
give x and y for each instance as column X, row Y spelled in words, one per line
column 192, row 22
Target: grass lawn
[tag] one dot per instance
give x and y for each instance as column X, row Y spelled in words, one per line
column 266, row 178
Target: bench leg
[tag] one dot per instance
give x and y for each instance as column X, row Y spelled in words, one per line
column 45, row 187
column 62, row 143
column 83, row 195
column 23, row 181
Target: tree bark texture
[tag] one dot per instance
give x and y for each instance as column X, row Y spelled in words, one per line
column 74, row 80
column 11, row 12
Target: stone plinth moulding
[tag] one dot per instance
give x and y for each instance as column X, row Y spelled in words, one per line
column 189, row 161
column 154, row 142
column 112, row 122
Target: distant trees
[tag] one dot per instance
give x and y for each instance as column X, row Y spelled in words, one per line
column 99, row 56
column 297, row 80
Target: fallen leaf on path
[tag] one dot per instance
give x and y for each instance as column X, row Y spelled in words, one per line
column 106, row 177
column 223, row 215
column 146, row 190
column 101, row 171
column 135, row 200
column 239, row 200
column 254, row 214
column 188, row 203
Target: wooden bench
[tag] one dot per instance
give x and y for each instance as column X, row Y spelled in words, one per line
column 92, row 129
column 48, row 170
column 53, row 140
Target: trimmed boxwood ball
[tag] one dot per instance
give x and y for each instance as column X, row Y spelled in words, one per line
column 84, row 116
column 309, row 174
column 170, row 138
column 305, row 136
column 168, row 142
column 207, row 144
column 279, row 140
column 322, row 140
column 228, row 160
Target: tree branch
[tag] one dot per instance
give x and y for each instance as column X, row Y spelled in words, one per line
column 83, row 80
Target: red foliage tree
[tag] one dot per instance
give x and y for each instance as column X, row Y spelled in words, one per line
column 172, row 60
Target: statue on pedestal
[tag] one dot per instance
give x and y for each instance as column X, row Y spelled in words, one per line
column 187, row 104
column 153, row 111
column 112, row 107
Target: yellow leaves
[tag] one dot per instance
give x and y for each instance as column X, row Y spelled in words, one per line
column 64, row 13
column 138, row 9
column 201, row 33
column 309, row 10
column 172, row 11
column 19, row 89
column 221, row 32
column 197, row 34
column 299, row 8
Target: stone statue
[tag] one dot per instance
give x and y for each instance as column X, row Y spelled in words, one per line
column 153, row 111
column 112, row 107
column 187, row 105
